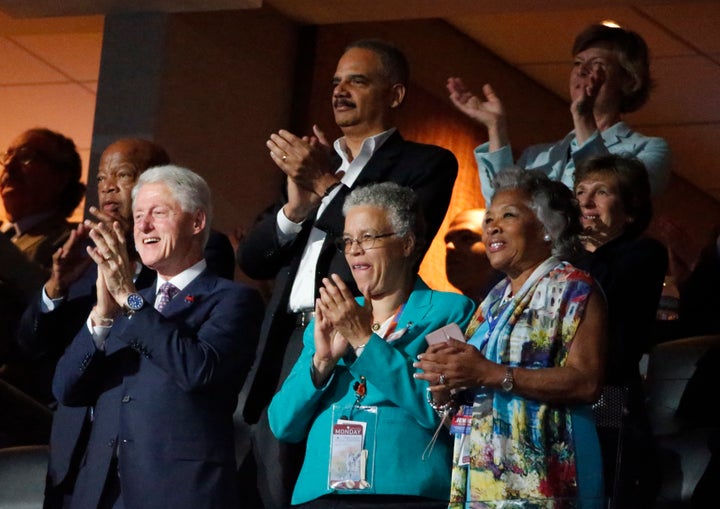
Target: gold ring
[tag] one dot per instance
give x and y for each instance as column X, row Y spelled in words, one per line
column 284, row 158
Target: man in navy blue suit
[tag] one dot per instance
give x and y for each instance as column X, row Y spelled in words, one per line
column 53, row 318
column 161, row 368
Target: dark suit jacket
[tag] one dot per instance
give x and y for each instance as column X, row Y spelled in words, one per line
column 428, row 169
column 25, row 264
column 631, row 272
column 43, row 337
column 164, row 391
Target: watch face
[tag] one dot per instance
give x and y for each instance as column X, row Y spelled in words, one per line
column 135, row 302
column 508, row 382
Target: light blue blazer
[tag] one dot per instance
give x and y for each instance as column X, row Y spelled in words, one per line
column 558, row 160
column 405, row 422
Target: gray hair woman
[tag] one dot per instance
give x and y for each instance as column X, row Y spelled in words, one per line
column 355, row 371
column 533, row 361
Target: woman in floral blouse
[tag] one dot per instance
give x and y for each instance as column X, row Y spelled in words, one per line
column 520, row 389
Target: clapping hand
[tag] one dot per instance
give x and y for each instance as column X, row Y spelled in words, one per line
column 584, row 89
column 339, row 306
column 489, row 112
column 109, row 219
column 111, row 255
column 305, row 160
column 307, row 163
column 330, row 346
column 68, row 263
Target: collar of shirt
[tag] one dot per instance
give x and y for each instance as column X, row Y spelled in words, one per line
column 184, row 278
column 369, row 146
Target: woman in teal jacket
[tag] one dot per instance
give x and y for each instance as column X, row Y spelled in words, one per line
column 352, row 393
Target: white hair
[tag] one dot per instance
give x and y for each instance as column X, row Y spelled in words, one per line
column 187, row 187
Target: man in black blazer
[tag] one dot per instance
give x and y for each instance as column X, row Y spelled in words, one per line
column 293, row 243
column 161, row 367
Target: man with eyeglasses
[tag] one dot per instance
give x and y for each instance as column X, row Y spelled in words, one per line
column 39, row 187
column 294, row 242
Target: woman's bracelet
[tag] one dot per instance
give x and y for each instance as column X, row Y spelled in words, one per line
column 442, row 409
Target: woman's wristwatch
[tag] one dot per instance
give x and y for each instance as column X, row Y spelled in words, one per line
column 508, row 382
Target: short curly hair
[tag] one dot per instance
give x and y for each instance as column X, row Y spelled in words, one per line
column 400, row 203
column 633, row 56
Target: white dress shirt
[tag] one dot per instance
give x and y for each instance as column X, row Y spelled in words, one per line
column 302, row 295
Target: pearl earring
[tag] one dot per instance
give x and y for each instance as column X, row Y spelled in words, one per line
column 547, row 237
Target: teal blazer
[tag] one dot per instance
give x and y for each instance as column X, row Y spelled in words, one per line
column 405, row 422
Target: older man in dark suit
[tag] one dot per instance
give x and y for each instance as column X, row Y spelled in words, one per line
column 39, row 188
column 57, row 312
column 162, row 368
column 294, row 243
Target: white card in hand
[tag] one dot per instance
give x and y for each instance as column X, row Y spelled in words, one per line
column 441, row 335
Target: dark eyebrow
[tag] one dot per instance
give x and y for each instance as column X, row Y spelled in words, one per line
column 351, row 77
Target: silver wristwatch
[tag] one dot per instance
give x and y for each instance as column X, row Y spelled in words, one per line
column 508, row 382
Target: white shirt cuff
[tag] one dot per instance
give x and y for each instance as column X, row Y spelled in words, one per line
column 49, row 304
column 286, row 229
column 99, row 333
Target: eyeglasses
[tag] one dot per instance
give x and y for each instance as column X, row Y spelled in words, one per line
column 23, row 155
column 366, row 241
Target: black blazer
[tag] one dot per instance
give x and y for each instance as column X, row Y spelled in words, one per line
column 429, row 170
column 631, row 272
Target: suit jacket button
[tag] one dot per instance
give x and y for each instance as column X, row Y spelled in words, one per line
column 126, row 399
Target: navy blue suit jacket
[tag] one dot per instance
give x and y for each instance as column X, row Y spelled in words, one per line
column 43, row 338
column 164, row 391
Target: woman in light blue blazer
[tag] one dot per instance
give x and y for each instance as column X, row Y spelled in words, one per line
column 352, row 394
column 610, row 77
